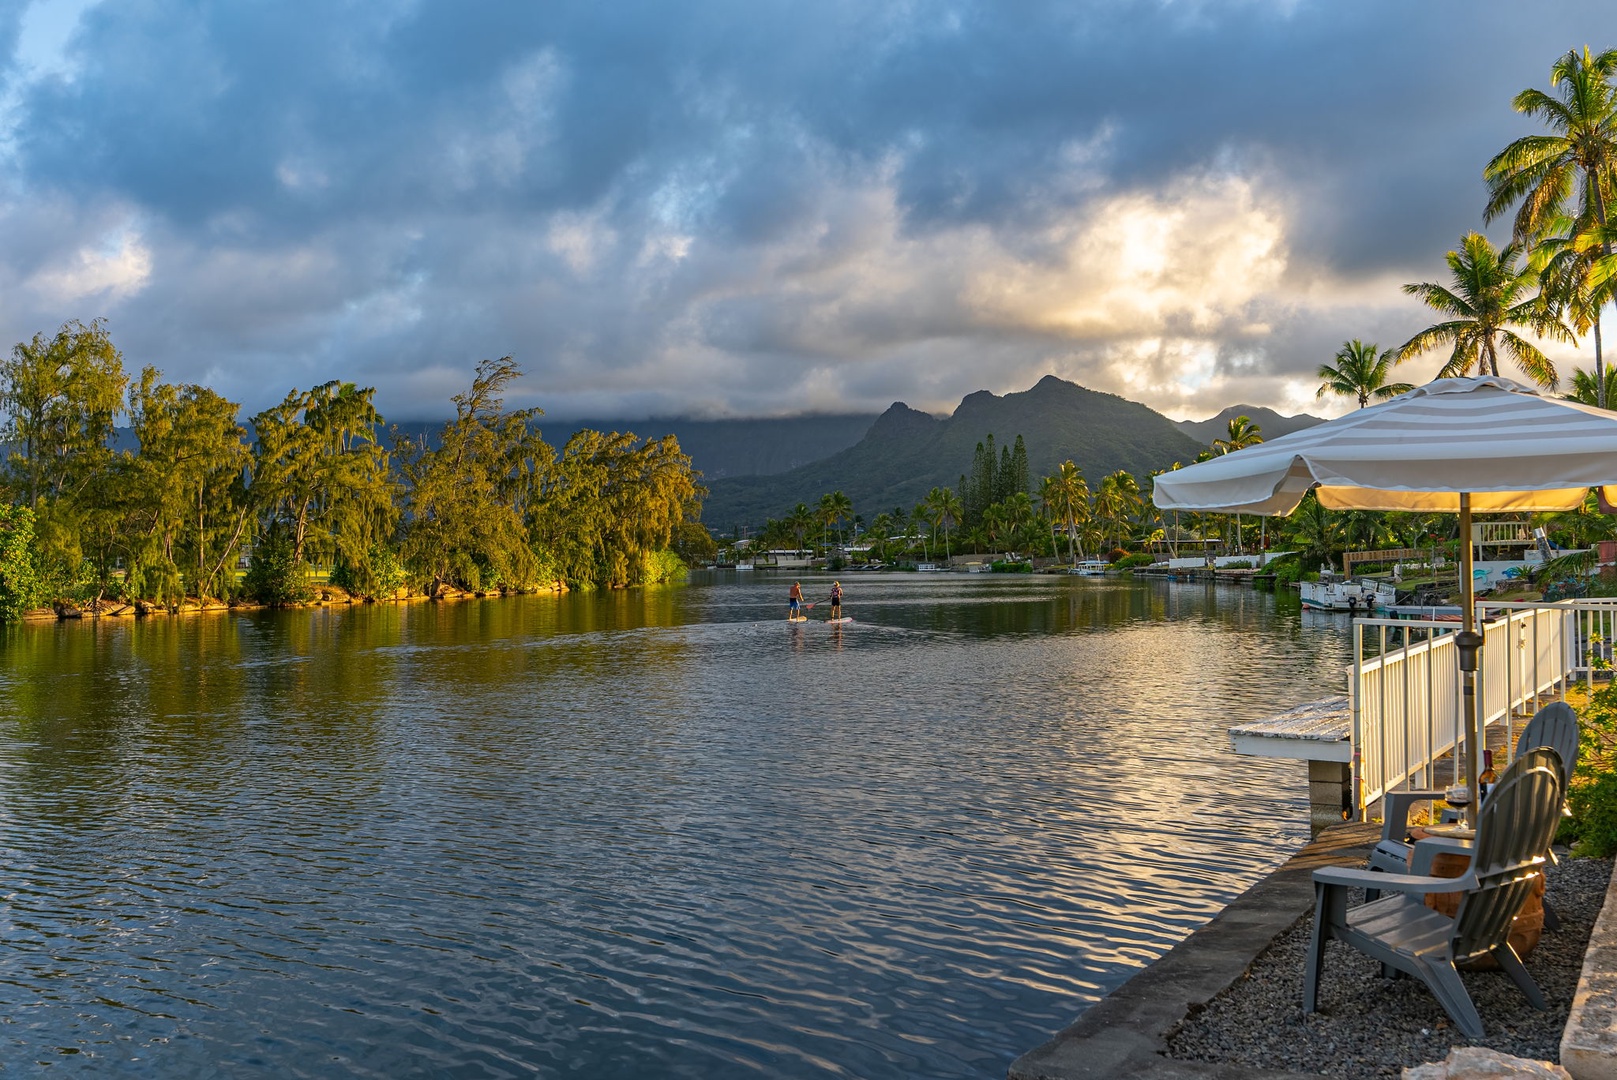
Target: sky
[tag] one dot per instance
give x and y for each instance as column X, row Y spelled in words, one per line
column 760, row 208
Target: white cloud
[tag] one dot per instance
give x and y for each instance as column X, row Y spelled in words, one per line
column 112, row 268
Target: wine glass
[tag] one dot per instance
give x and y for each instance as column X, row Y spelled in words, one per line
column 1458, row 796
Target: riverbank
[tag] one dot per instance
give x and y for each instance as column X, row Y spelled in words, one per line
column 321, row 596
column 1226, row 1002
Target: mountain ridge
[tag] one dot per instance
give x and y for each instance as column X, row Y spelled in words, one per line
column 905, row 453
column 1271, row 424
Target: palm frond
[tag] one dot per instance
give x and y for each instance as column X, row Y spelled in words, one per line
column 1439, row 298
column 1534, row 363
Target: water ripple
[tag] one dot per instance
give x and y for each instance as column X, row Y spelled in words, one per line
column 626, row 835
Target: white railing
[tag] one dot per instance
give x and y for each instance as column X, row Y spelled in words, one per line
column 1406, row 697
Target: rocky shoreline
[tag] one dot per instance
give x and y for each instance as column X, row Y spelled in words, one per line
column 323, row 596
column 1370, row 1027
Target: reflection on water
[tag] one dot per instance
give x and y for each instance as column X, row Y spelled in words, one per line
column 649, row 833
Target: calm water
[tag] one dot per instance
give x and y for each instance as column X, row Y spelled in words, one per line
column 657, row 833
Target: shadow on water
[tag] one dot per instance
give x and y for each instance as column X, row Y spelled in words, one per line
column 657, row 832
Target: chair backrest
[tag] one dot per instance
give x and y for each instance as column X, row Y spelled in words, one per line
column 1554, row 725
column 1514, row 830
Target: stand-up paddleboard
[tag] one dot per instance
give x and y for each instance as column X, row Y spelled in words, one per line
column 839, row 622
column 797, row 618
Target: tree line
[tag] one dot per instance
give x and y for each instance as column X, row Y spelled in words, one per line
column 994, row 509
column 1558, row 271
column 1115, row 519
column 168, row 506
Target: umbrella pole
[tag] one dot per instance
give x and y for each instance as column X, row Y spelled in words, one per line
column 1468, row 673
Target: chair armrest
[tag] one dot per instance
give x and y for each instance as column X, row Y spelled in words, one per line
column 1426, row 849
column 1347, row 877
column 1395, row 807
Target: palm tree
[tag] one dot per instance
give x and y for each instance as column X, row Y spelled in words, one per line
column 843, row 507
column 881, row 527
column 1360, row 373
column 799, row 521
column 1577, row 279
column 1585, row 388
column 834, row 507
column 912, row 528
column 1066, row 499
column 1542, row 171
column 1243, row 433
column 1018, row 516
column 994, row 522
column 1314, row 529
column 1490, row 294
column 921, row 513
column 943, row 510
column 1117, row 501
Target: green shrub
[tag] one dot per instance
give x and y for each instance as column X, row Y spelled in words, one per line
column 661, row 566
column 1128, row 562
column 1287, row 571
column 1592, row 828
column 379, row 574
column 275, row 578
column 1237, row 564
column 1005, row 566
column 20, row 587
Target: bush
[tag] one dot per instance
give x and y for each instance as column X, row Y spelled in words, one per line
column 1287, row 571
column 1128, row 562
column 20, row 587
column 380, row 574
column 274, row 577
column 1115, row 554
column 661, row 566
column 1592, row 828
column 1006, row 566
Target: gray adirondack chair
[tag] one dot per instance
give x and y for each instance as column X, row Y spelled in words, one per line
column 1513, row 834
column 1554, row 725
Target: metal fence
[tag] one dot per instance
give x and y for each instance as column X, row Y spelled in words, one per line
column 1405, row 684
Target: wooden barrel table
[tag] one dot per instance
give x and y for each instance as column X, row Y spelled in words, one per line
column 1524, row 932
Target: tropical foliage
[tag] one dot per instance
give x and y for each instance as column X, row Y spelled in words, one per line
column 1560, row 183
column 1360, row 372
column 172, row 506
column 1490, row 296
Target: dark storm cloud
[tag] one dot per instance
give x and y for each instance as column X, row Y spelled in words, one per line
column 752, row 207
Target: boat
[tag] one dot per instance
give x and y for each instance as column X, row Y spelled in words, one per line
column 1091, row 568
column 930, row 568
column 744, row 565
column 1358, row 594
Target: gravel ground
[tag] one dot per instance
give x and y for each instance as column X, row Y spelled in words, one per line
column 1373, row 1027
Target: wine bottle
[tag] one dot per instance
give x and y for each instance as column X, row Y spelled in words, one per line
column 1489, row 778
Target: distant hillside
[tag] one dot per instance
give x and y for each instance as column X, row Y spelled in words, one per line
column 907, row 453
column 719, row 448
column 1271, row 424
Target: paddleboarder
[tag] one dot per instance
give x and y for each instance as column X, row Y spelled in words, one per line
column 794, row 602
column 836, row 600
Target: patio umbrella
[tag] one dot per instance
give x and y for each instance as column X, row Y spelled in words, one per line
column 1453, row 445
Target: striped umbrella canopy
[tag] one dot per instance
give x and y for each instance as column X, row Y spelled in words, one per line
column 1452, row 445
column 1503, row 444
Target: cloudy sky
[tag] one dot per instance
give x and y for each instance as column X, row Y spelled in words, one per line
column 753, row 208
